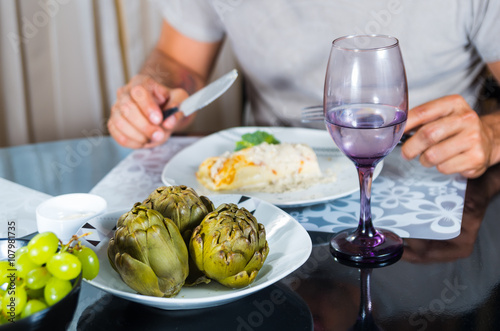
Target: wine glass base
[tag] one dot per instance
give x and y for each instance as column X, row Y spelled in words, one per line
column 346, row 252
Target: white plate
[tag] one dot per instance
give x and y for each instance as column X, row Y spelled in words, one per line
column 181, row 169
column 289, row 247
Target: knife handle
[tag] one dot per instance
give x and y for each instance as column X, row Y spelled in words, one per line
column 170, row 111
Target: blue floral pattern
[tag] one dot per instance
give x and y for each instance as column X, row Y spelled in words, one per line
column 407, row 198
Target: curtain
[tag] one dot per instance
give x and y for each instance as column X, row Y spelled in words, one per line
column 61, row 62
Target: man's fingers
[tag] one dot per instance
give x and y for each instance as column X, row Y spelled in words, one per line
column 453, row 144
column 464, row 164
column 123, row 132
column 441, row 154
column 433, row 110
column 130, row 127
column 146, row 104
column 431, row 135
column 121, row 138
column 133, row 115
column 177, row 95
column 450, row 135
column 160, row 94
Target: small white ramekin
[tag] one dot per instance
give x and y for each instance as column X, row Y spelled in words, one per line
column 65, row 214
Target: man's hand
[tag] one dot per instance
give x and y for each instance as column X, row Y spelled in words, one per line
column 449, row 135
column 136, row 119
column 177, row 66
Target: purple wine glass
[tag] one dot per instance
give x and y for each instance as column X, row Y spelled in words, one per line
column 365, row 106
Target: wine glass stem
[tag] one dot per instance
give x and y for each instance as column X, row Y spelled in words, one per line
column 365, row 227
column 366, row 300
column 365, row 321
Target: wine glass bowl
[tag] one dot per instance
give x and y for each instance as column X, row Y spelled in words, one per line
column 365, row 108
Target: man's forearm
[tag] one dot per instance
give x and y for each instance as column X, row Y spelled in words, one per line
column 170, row 73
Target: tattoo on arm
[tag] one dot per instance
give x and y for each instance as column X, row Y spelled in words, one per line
column 170, row 73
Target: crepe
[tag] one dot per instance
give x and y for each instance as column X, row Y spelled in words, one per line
column 264, row 168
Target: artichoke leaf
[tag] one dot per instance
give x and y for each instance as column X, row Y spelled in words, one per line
column 196, row 275
column 209, row 205
column 139, row 276
column 257, row 260
column 167, row 256
column 196, row 248
column 135, row 244
column 262, row 237
column 239, row 280
column 112, row 253
column 223, row 263
column 244, row 246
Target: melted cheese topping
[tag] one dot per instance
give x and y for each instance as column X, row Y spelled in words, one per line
column 265, row 168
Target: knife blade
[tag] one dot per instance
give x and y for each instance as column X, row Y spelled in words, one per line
column 205, row 96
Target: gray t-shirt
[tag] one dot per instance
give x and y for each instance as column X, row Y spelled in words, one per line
column 282, row 46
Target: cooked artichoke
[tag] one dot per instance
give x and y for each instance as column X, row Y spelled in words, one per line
column 149, row 253
column 229, row 246
column 182, row 205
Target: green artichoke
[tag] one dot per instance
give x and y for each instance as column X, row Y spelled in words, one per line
column 149, row 253
column 229, row 246
column 182, row 205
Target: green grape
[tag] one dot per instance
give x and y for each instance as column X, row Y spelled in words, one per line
column 24, row 264
column 33, row 306
column 3, row 320
column 42, row 246
column 2, row 293
column 56, row 289
column 5, row 271
column 89, row 260
column 35, row 294
column 37, row 278
column 20, row 251
column 64, row 266
column 13, row 301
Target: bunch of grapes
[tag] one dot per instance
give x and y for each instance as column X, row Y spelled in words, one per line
column 42, row 274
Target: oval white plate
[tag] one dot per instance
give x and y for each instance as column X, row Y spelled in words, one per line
column 181, row 169
column 289, row 247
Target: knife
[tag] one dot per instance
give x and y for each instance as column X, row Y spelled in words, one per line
column 204, row 96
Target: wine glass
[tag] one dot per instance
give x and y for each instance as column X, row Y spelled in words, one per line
column 365, row 108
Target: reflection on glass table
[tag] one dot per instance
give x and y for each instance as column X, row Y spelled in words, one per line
column 276, row 307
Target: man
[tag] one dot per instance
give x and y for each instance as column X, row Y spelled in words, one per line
column 282, row 47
